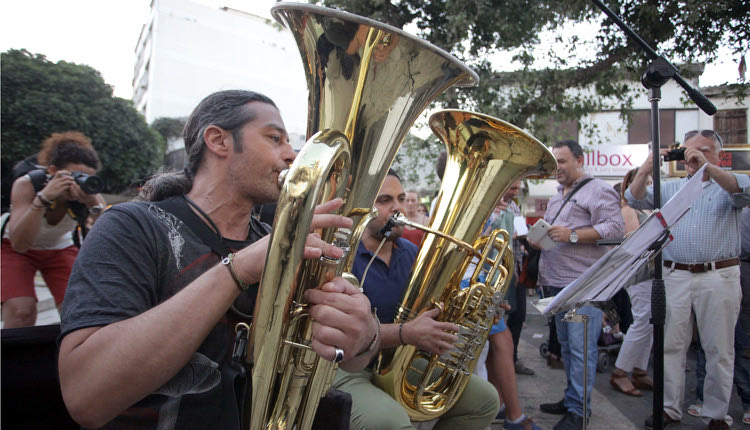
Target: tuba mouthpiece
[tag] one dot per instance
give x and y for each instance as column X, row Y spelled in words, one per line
column 282, row 176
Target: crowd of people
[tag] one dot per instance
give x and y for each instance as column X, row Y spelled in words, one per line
column 160, row 282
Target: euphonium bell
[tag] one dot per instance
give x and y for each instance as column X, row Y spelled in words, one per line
column 368, row 82
column 485, row 156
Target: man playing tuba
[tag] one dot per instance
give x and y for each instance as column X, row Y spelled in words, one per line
column 384, row 284
column 148, row 318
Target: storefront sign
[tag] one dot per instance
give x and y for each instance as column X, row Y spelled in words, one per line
column 613, row 160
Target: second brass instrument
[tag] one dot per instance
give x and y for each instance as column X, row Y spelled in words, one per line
column 367, row 84
column 485, row 156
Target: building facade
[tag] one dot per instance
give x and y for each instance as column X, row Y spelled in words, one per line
column 188, row 50
column 614, row 146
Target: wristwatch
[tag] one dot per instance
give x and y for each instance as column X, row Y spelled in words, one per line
column 573, row 237
column 94, row 210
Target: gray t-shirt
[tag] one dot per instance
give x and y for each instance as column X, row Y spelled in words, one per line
column 137, row 256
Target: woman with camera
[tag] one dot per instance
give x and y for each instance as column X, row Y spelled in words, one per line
column 46, row 206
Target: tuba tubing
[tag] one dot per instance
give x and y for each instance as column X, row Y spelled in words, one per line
column 485, row 156
column 367, row 82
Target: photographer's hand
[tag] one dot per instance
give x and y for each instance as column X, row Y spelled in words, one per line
column 638, row 187
column 59, row 186
column 695, row 159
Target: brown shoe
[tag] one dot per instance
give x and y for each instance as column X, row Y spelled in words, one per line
column 643, row 381
column 622, row 384
column 554, row 362
column 718, row 425
column 667, row 421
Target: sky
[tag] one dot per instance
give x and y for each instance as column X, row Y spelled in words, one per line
column 103, row 34
column 100, row 33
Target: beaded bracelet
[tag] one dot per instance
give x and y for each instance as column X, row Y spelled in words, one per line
column 400, row 327
column 227, row 261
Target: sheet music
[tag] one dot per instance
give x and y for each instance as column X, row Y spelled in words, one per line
column 616, row 267
column 519, row 226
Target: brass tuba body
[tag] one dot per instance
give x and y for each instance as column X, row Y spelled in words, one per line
column 485, row 156
column 367, row 82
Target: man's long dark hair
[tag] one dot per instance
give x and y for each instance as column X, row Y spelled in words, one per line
column 225, row 109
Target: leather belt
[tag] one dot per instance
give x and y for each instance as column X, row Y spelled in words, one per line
column 703, row 267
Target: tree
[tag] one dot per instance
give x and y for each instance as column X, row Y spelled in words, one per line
column 169, row 128
column 476, row 31
column 547, row 84
column 40, row 98
column 415, row 163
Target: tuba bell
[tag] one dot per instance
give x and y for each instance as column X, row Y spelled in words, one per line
column 367, row 82
column 485, row 156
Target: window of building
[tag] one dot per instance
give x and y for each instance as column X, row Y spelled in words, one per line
column 732, row 125
column 640, row 127
column 557, row 130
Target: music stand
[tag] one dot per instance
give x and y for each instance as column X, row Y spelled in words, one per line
column 657, row 74
column 614, row 269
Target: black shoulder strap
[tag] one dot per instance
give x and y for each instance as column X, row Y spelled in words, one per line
column 570, row 194
column 179, row 208
column 38, row 178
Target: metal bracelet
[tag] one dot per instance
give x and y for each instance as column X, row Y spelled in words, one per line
column 42, row 198
column 375, row 338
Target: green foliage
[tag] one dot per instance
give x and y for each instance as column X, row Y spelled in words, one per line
column 40, row 98
column 502, row 41
column 476, row 31
column 415, row 163
column 169, row 128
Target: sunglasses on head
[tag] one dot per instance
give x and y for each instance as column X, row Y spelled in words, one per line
column 705, row 133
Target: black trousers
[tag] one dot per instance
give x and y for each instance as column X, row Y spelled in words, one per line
column 517, row 314
column 553, row 345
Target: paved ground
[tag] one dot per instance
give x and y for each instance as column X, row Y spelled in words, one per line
column 611, row 410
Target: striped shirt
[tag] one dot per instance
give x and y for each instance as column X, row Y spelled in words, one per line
column 595, row 205
column 710, row 230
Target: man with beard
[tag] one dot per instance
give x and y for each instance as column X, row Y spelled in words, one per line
column 583, row 211
column 148, row 320
column 384, row 283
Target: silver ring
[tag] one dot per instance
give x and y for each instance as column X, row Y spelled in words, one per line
column 339, row 356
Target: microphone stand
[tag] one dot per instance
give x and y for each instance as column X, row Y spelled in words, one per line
column 654, row 77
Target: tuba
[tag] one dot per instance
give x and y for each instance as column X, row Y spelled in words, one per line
column 367, row 82
column 485, row 156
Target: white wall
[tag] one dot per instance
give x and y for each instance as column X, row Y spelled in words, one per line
column 199, row 49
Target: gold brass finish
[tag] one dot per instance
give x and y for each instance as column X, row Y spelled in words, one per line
column 485, row 156
column 368, row 82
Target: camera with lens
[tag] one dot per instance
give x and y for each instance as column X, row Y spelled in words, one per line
column 90, row 184
column 675, row 154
